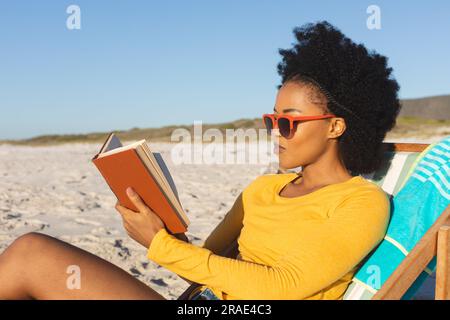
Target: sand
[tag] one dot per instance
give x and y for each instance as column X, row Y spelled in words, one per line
column 56, row 190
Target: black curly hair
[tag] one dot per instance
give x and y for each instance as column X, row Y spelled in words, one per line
column 356, row 84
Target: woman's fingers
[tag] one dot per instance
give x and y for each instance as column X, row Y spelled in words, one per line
column 119, row 208
column 137, row 201
column 124, row 212
column 143, row 225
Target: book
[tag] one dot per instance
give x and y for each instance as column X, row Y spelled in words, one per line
column 136, row 166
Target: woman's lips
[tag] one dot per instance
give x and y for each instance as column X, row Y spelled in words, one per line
column 278, row 149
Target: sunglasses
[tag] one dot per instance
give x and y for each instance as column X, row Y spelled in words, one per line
column 287, row 125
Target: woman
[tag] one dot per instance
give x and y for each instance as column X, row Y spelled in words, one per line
column 301, row 236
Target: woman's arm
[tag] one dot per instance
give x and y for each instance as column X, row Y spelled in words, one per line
column 226, row 232
column 143, row 225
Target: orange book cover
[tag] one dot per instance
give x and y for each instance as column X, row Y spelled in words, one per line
column 125, row 169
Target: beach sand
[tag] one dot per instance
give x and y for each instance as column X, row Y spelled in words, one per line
column 57, row 190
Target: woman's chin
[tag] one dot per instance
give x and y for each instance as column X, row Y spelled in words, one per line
column 286, row 164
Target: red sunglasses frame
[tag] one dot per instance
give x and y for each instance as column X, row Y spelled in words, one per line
column 292, row 119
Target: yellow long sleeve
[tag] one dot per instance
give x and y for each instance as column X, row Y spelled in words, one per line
column 292, row 248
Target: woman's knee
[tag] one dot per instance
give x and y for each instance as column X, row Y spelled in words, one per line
column 18, row 261
column 26, row 245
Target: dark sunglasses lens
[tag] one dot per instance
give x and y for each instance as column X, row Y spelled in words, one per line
column 284, row 127
column 269, row 124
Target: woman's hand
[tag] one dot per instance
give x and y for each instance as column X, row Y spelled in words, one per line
column 143, row 225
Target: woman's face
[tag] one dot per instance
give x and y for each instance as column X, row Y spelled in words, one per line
column 311, row 138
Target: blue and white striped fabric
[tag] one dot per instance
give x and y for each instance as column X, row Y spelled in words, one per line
column 415, row 208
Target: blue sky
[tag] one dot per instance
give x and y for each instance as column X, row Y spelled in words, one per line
column 154, row 63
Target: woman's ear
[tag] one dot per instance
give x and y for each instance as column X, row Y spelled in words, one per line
column 337, row 127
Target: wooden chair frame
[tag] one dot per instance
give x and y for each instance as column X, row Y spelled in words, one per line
column 435, row 242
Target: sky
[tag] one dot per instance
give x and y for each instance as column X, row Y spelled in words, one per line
column 154, row 63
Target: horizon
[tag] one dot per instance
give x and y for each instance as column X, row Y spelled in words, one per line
column 137, row 64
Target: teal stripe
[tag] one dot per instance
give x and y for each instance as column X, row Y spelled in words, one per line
column 440, row 148
column 436, row 158
column 429, row 165
column 421, row 174
column 443, row 157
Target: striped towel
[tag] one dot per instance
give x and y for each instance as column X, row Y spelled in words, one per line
column 420, row 201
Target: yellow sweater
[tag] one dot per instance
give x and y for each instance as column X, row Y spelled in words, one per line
column 306, row 247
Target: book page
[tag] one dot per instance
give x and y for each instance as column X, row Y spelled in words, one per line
column 113, row 143
column 166, row 172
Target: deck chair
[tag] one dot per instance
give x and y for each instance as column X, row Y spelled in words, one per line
column 398, row 160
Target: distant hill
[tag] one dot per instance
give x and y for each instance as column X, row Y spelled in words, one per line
column 162, row 134
column 418, row 117
column 437, row 107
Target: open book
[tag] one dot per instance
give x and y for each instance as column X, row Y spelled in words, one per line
column 136, row 166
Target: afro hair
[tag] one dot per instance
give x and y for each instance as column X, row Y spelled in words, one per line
column 357, row 85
